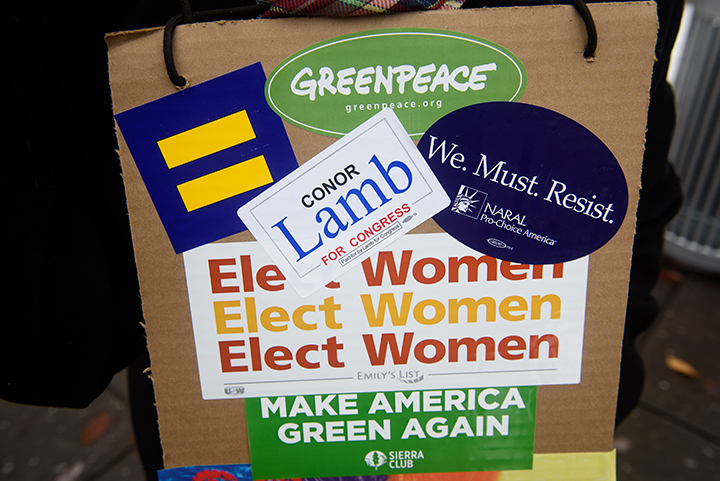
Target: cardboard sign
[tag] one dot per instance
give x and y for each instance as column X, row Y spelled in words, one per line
column 608, row 96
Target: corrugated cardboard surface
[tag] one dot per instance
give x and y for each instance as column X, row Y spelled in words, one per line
column 609, row 96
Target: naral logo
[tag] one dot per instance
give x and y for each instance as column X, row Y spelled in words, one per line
column 375, row 459
column 469, row 202
column 422, row 74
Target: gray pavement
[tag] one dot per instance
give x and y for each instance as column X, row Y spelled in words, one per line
column 673, row 435
column 58, row 444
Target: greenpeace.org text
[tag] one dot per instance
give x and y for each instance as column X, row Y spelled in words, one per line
column 408, row 104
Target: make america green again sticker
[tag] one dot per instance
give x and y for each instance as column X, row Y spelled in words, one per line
column 422, row 74
column 364, row 434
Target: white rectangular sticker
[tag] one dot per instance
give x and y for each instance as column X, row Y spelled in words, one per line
column 426, row 312
column 354, row 198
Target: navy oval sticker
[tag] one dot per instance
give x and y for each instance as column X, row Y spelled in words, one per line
column 527, row 184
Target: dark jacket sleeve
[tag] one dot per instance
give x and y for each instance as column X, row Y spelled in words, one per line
column 71, row 315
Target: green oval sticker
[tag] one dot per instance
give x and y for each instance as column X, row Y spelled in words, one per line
column 422, row 74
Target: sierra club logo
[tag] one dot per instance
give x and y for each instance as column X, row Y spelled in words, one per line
column 422, row 74
column 403, row 459
column 375, row 459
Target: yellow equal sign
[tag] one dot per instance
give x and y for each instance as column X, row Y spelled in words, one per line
column 208, row 139
column 225, row 183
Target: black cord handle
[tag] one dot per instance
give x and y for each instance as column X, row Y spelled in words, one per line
column 580, row 6
column 172, row 72
column 252, row 11
column 188, row 16
column 592, row 37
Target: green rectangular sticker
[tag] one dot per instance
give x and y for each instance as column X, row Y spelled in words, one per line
column 452, row 430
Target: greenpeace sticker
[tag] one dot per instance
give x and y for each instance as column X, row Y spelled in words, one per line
column 359, row 195
column 421, row 74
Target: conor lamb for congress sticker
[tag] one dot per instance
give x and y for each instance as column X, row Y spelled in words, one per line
column 346, row 203
column 527, row 184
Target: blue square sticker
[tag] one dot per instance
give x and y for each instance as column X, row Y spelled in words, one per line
column 205, row 151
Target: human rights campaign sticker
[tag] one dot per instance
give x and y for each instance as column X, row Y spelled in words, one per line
column 528, row 184
column 205, row 151
column 354, row 198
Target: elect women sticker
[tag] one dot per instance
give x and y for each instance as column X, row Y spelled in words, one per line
column 527, row 184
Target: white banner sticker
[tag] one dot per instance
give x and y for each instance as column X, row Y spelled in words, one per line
column 354, row 198
column 426, row 312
